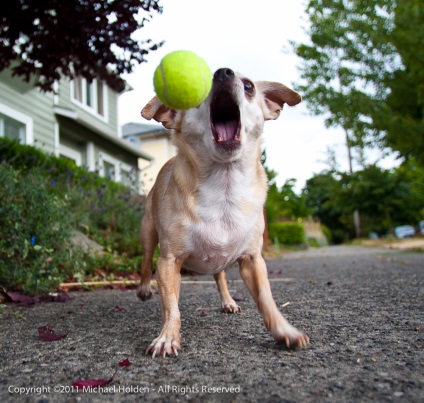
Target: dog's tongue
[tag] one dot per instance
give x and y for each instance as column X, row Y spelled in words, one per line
column 226, row 130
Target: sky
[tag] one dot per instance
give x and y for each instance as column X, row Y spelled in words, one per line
column 250, row 37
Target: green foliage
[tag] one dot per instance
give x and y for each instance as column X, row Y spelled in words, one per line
column 401, row 117
column 25, row 158
column 327, row 233
column 282, row 202
column 348, row 49
column 386, row 198
column 34, row 233
column 36, row 37
column 319, row 194
column 107, row 212
column 287, row 233
column 363, row 68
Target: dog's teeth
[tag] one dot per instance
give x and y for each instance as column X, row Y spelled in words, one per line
column 219, row 138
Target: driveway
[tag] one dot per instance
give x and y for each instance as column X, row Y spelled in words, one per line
column 363, row 309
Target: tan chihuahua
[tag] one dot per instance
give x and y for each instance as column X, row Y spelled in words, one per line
column 206, row 207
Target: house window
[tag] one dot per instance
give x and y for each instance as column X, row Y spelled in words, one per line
column 91, row 96
column 109, row 170
column 117, row 171
column 125, row 177
column 15, row 125
column 12, row 129
column 71, row 154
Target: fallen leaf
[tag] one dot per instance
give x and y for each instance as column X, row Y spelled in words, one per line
column 25, row 300
column 93, row 383
column 203, row 313
column 119, row 308
column 46, row 333
column 125, row 363
column 21, row 299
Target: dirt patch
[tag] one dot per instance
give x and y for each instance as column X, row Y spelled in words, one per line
column 416, row 244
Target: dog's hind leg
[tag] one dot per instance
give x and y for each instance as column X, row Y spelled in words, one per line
column 149, row 241
column 228, row 305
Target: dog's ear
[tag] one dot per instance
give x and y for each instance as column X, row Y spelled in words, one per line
column 156, row 110
column 275, row 96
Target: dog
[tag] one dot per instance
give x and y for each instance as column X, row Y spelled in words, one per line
column 206, row 206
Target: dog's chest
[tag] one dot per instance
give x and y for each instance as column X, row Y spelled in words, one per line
column 227, row 211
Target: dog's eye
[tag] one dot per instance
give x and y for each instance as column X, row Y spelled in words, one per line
column 248, row 87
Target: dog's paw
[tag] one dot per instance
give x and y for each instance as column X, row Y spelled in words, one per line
column 144, row 292
column 230, row 307
column 167, row 343
column 292, row 338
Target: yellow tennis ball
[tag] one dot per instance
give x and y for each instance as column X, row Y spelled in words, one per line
column 182, row 80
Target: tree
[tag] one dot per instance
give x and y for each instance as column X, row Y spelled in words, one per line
column 387, row 198
column 401, row 117
column 49, row 39
column 348, row 52
column 319, row 194
column 282, row 202
column 364, row 69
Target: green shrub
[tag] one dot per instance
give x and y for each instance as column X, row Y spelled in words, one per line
column 35, row 229
column 108, row 212
column 25, row 158
column 33, row 258
column 327, row 232
column 287, row 233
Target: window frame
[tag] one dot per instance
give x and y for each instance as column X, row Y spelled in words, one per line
column 118, row 166
column 21, row 118
column 83, row 103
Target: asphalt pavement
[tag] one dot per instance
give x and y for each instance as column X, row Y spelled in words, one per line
column 362, row 308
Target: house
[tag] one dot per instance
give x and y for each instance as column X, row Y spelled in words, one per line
column 79, row 121
column 155, row 141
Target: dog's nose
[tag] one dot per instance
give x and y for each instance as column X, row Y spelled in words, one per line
column 223, row 74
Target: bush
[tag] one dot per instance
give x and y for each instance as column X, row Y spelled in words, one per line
column 108, row 212
column 287, row 233
column 35, row 229
column 327, row 232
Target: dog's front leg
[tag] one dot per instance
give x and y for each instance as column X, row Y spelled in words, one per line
column 254, row 274
column 169, row 282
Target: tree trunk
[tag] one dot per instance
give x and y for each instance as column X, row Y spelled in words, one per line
column 357, row 223
column 356, row 215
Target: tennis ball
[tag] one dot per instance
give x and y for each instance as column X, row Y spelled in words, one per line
column 182, row 80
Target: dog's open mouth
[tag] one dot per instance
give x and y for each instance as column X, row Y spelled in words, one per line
column 225, row 121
